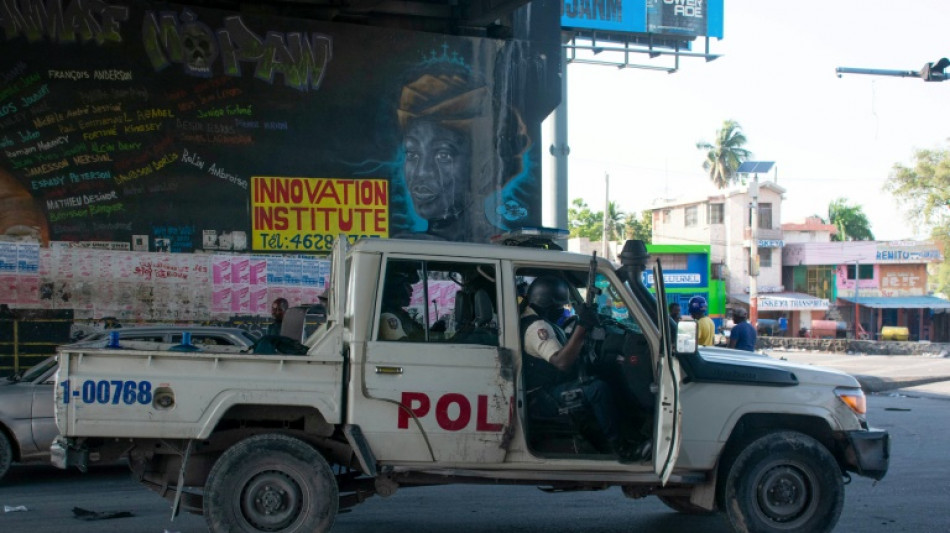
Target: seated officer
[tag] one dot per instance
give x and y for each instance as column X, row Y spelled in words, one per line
column 395, row 323
column 552, row 365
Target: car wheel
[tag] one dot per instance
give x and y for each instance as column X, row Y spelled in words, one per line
column 6, row 455
column 784, row 482
column 272, row 483
column 681, row 504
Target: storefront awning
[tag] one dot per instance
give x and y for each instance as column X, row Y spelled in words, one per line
column 899, row 302
column 785, row 301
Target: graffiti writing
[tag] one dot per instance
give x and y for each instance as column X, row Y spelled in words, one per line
column 79, row 21
column 170, row 38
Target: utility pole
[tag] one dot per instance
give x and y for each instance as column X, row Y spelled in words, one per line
column 754, row 255
column 857, row 310
column 603, row 252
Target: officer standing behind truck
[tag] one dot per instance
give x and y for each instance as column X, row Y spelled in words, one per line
column 704, row 325
column 743, row 335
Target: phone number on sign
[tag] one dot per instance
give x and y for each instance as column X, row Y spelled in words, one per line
column 114, row 391
column 305, row 241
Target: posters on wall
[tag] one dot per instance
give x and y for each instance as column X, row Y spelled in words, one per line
column 139, row 286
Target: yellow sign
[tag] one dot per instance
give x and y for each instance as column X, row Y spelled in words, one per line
column 307, row 214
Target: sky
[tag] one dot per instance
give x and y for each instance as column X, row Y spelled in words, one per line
column 830, row 137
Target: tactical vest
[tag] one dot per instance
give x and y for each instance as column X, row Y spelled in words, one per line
column 537, row 372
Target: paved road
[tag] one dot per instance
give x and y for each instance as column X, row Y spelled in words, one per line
column 881, row 373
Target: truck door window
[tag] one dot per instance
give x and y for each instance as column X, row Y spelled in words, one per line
column 439, row 301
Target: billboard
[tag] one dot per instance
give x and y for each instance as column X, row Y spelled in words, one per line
column 150, row 124
column 687, row 18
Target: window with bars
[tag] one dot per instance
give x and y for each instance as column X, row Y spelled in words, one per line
column 716, row 213
column 765, row 216
column 818, row 281
column 864, row 272
column 691, row 216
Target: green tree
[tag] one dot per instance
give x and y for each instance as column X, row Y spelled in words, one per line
column 850, row 220
column 582, row 222
column 724, row 156
column 640, row 227
column 925, row 191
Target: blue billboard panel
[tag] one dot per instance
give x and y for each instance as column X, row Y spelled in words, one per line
column 605, row 15
column 688, row 18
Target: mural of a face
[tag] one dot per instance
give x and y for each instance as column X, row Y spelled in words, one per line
column 437, row 169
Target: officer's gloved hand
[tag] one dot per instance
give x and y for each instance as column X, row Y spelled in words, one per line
column 587, row 316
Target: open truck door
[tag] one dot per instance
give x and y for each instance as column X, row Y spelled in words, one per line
column 666, row 431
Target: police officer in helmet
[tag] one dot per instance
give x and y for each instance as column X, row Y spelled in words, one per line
column 706, row 329
column 551, row 358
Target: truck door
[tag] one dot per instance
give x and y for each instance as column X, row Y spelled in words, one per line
column 437, row 385
column 666, row 437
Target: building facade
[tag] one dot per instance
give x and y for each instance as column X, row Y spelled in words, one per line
column 876, row 284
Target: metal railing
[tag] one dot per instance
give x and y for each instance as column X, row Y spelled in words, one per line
column 23, row 342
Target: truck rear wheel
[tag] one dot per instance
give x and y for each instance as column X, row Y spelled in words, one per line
column 784, row 482
column 273, row 483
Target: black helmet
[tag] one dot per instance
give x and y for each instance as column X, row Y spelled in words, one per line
column 397, row 291
column 697, row 305
column 548, row 295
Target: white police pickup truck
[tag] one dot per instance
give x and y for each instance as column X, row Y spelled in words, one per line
column 282, row 442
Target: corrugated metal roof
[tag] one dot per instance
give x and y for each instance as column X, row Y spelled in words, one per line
column 899, row 302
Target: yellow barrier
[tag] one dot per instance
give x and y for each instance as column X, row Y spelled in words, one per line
column 894, row 333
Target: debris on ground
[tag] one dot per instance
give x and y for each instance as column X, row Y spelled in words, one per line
column 85, row 514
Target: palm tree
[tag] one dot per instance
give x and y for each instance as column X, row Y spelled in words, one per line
column 615, row 219
column 850, row 220
column 724, row 157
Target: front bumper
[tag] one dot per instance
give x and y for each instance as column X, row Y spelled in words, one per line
column 867, row 452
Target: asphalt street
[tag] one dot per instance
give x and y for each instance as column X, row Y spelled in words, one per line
column 881, row 373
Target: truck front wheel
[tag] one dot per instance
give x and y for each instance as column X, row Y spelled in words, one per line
column 784, row 482
column 272, row 483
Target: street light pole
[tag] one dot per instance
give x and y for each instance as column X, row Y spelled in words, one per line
column 857, row 310
column 754, row 255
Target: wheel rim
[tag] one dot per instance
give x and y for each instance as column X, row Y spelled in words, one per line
column 786, row 495
column 271, row 500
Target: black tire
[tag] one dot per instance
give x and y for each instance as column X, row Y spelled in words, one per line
column 6, row 455
column 681, row 505
column 273, row 483
column 783, row 482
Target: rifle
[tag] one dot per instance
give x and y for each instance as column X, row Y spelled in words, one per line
column 591, row 280
column 589, row 336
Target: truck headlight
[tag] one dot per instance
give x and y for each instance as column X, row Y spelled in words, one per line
column 853, row 398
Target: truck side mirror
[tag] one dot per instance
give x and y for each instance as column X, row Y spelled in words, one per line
column 686, row 332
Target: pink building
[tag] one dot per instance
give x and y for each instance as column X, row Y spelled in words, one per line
column 879, row 283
